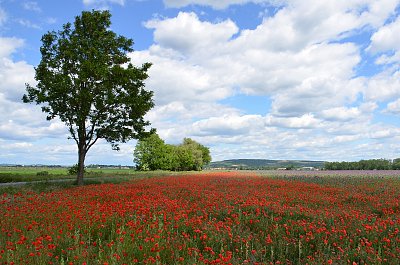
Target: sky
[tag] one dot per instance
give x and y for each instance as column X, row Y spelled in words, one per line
column 268, row 79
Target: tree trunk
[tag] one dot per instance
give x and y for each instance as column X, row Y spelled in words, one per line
column 81, row 164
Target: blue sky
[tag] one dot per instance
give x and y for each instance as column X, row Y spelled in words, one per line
column 273, row 79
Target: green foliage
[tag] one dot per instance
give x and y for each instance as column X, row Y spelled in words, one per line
column 151, row 153
column 42, row 173
column 86, row 79
column 371, row 164
column 396, row 164
column 74, row 170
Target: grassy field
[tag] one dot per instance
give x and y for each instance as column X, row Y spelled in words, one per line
column 29, row 174
column 60, row 170
column 207, row 218
column 58, row 179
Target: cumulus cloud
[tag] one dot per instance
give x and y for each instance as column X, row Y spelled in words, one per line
column 247, row 62
column 21, row 121
column 188, row 111
column 303, row 57
column 380, row 133
column 9, row 46
column 13, row 76
column 393, row 107
column 307, row 121
column 176, row 80
column 298, row 57
column 227, row 125
column 341, row 114
column 186, row 33
column 384, row 42
column 346, row 138
column 386, row 38
column 383, row 86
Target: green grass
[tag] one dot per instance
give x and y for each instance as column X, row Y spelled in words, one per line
column 59, row 170
column 29, row 174
column 32, row 170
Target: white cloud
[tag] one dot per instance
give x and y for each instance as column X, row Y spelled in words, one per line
column 316, row 94
column 386, row 38
column 22, row 131
column 380, row 133
column 51, row 20
column 307, row 121
column 227, row 125
column 9, row 46
column 21, row 121
column 186, row 33
column 13, row 76
column 176, row 80
column 376, row 13
column 301, row 56
column 385, row 42
column 346, row 138
column 383, row 86
column 183, row 112
column 341, row 114
column 102, row 3
column 296, row 57
column 393, row 107
column 186, row 68
column 32, row 6
column 354, row 11
column 3, row 16
column 28, row 24
column 220, row 4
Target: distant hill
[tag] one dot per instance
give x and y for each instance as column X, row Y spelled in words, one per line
column 264, row 164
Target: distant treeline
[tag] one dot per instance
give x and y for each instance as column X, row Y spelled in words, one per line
column 371, row 164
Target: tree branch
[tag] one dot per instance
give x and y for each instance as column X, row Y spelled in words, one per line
column 91, row 144
column 72, row 131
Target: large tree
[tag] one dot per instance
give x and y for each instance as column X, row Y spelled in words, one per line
column 86, row 79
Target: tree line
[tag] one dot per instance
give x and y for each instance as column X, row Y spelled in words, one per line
column 152, row 153
column 371, row 164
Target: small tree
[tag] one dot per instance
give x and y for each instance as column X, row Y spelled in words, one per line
column 86, row 79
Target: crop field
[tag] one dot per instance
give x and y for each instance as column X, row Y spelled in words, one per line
column 209, row 218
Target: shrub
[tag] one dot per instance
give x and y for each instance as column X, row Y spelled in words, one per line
column 42, row 173
column 74, row 170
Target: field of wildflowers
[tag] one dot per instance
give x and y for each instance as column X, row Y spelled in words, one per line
column 214, row 218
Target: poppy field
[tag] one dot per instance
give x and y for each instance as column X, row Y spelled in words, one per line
column 209, row 218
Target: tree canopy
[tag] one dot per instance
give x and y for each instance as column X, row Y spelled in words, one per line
column 86, row 79
column 151, row 153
